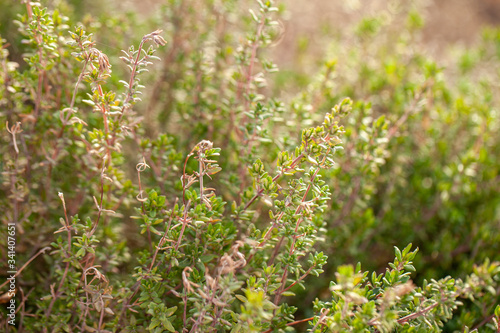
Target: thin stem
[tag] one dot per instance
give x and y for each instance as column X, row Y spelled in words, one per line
column 320, row 320
column 200, row 166
column 185, row 222
column 259, row 193
column 484, row 321
column 251, row 63
column 130, row 92
column 29, row 9
column 417, row 314
column 66, row 118
column 132, row 78
column 292, row 323
column 276, row 249
column 106, row 124
column 94, row 228
column 26, row 264
column 300, row 278
column 392, row 131
column 136, row 286
column 268, row 232
column 13, row 130
column 162, row 240
column 101, row 319
column 38, row 100
column 278, row 218
column 68, row 254
column 277, row 298
column 184, row 313
column 184, row 176
column 22, row 308
column 80, row 78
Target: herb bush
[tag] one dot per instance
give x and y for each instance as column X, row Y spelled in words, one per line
column 211, row 200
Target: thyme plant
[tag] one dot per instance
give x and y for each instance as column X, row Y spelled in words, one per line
column 202, row 202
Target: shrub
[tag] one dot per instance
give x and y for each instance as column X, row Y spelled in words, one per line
column 247, row 210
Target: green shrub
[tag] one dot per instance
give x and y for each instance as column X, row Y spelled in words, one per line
column 247, row 209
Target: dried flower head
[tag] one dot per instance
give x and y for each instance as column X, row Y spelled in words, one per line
column 185, row 280
column 230, row 263
column 204, row 145
column 156, row 38
column 102, row 59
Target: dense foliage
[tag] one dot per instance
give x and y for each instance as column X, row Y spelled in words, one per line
column 205, row 196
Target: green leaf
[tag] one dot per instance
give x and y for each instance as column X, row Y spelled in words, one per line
column 410, row 268
column 168, row 325
column 398, row 254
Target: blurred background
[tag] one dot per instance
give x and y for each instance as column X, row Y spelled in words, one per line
column 306, row 22
column 308, row 25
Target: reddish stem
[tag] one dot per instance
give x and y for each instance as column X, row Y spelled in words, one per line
column 292, row 323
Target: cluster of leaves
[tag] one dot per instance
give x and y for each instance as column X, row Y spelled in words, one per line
column 236, row 238
column 419, row 164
